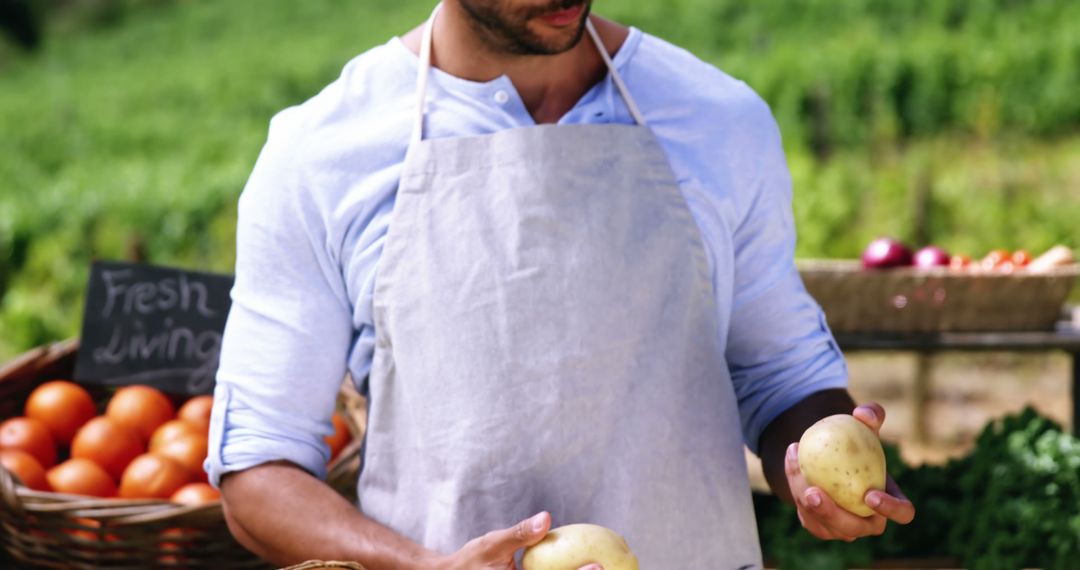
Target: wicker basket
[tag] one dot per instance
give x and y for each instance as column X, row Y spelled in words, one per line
column 321, row 565
column 51, row 530
column 912, row 300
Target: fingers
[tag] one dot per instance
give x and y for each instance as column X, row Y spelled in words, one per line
column 837, row 521
column 818, row 513
column 501, row 544
column 891, row 504
column 872, row 414
column 796, row 482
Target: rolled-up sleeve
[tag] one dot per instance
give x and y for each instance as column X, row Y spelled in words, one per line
column 289, row 330
column 779, row 348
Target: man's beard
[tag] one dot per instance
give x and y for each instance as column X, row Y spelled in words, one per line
column 508, row 32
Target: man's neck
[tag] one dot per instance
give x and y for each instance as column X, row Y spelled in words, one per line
column 549, row 85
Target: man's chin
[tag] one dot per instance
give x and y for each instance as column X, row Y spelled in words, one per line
column 551, row 40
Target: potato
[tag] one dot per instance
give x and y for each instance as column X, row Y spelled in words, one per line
column 843, row 457
column 573, row 546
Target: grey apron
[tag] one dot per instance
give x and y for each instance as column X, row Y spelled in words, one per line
column 546, row 339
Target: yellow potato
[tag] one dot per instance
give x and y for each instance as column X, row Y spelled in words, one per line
column 573, row 546
column 843, row 457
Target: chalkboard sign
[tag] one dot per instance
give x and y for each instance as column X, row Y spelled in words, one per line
column 153, row 325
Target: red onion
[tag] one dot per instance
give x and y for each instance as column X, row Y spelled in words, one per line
column 932, row 256
column 886, row 252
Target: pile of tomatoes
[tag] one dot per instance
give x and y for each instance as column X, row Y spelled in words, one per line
column 142, row 447
column 998, row 260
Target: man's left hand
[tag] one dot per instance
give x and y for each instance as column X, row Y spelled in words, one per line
column 823, row 518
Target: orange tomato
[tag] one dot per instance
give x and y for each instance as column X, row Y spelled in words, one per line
column 197, row 411
column 1020, row 258
column 341, row 436
column 79, row 476
column 196, row 494
column 189, row 451
column 140, row 407
column 90, row 530
column 25, row 467
column 31, row 436
column 173, row 552
column 995, row 259
column 62, row 406
column 108, row 443
column 959, row 261
column 153, row 476
column 171, row 430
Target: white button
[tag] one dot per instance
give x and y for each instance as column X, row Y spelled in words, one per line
column 501, row 97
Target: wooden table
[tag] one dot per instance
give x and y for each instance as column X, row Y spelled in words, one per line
column 1065, row 338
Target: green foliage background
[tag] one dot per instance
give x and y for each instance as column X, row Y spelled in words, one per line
column 135, row 127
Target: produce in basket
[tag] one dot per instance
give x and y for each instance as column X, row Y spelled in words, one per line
column 572, row 546
column 196, row 411
column 173, row 429
column 63, row 407
column 152, row 476
column 932, row 256
column 138, row 421
column 884, row 253
column 67, row 531
column 888, row 253
column 843, row 457
column 189, row 451
column 142, row 408
column 340, row 438
column 78, row 476
column 108, row 443
column 25, row 467
column 1057, row 256
column 196, row 494
column 31, row 436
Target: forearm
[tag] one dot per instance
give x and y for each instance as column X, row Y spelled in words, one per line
column 788, row 428
column 286, row 516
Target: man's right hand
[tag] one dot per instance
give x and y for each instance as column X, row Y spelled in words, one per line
column 496, row 549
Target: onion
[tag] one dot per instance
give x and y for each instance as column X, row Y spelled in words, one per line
column 932, row 256
column 886, row 252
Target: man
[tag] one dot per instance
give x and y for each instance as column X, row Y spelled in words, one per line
column 560, row 251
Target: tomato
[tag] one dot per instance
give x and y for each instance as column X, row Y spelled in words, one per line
column 196, row 494
column 197, row 411
column 152, row 476
column 189, row 451
column 959, row 262
column 140, row 407
column 341, row 436
column 31, row 436
column 171, row 430
column 1021, row 258
column 24, row 466
column 173, row 548
column 78, row 476
column 62, row 406
column 91, row 530
column 995, row 258
column 108, row 443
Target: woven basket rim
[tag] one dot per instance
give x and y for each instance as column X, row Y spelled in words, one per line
column 321, row 564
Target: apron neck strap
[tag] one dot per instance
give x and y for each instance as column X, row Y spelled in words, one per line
column 424, row 72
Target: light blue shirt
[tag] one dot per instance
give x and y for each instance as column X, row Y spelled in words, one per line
column 314, row 215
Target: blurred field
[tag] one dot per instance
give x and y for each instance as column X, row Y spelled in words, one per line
column 131, row 133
